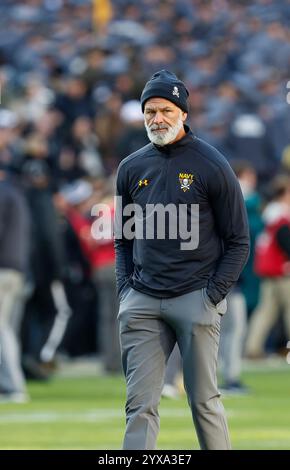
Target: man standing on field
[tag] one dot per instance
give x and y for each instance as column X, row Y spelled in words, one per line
column 169, row 293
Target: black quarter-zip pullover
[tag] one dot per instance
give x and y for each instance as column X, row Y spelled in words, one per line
column 189, row 171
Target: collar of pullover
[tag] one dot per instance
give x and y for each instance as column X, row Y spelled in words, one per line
column 168, row 149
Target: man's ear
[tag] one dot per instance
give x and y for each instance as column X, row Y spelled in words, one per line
column 184, row 116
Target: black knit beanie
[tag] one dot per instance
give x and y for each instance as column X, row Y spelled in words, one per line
column 165, row 84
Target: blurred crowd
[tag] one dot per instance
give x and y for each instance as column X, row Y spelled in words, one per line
column 70, row 86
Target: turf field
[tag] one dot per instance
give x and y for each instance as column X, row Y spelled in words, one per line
column 87, row 413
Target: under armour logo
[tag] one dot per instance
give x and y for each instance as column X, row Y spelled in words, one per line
column 175, row 91
column 143, row 182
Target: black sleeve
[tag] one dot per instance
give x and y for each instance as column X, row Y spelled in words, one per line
column 123, row 246
column 283, row 239
column 232, row 225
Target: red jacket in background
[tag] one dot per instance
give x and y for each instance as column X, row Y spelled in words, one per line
column 99, row 253
column 270, row 260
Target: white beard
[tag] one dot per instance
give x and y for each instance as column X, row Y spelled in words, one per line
column 165, row 137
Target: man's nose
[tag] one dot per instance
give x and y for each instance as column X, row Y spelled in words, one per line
column 158, row 118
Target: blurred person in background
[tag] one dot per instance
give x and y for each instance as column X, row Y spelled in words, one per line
column 134, row 135
column 79, row 202
column 249, row 138
column 74, row 102
column 14, row 254
column 272, row 264
column 85, row 142
column 109, row 127
column 245, row 295
column 68, row 167
column 105, row 279
column 233, row 333
column 47, row 268
column 249, row 281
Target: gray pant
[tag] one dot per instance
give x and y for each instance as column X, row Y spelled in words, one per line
column 233, row 332
column 274, row 296
column 11, row 291
column 149, row 329
column 108, row 334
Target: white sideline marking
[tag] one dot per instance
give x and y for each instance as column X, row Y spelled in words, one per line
column 54, row 416
column 99, row 415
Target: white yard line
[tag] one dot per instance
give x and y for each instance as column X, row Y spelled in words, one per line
column 99, row 415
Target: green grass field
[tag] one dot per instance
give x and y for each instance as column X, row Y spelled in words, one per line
column 87, row 413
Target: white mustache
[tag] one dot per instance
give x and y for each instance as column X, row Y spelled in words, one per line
column 156, row 127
